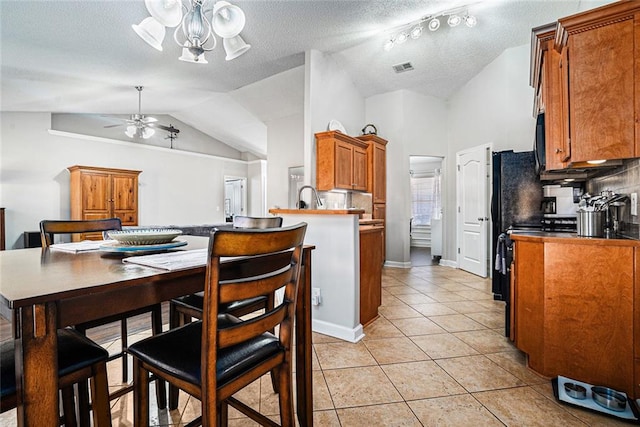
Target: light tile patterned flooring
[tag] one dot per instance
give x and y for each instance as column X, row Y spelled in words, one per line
column 436, row 356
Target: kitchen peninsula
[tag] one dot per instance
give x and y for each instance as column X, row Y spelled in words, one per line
column 576, row 312
column 349, row 285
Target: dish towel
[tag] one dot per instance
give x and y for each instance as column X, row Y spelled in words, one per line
column 501, row 253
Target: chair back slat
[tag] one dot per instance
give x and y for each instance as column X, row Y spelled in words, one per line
column 270, row 248
column 257, row 222
column 49, row 228
column 236, row 291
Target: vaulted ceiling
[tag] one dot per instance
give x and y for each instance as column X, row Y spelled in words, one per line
column 83, row 57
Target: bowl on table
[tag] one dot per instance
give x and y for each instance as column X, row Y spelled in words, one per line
column 144, row 236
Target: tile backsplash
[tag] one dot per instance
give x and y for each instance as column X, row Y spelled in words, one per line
column 622, row 180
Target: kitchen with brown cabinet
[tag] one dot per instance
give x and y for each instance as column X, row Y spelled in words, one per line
column 574, row 296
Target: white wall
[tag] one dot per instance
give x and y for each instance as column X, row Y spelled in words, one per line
column 257, row 182
column 285, row 149
column 494, row 107
column 174, row 187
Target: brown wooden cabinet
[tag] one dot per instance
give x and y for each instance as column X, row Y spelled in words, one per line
column 341, row 162
column 371, row 260
column 601, row 82
column 574, row 309
column 376, row 173
column 98, row 193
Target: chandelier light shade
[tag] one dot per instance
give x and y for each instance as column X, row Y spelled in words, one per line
column 195, row 23
column 415, row 30
column 151, row 31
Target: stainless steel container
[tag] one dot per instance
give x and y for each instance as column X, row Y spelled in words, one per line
column 590, row 223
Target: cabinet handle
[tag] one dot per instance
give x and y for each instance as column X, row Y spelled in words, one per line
column 558, row 150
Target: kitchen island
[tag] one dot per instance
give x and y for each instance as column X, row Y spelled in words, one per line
column 345, row 280
column 576, row 307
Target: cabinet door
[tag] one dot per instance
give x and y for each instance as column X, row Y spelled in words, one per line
column 379, row 211
column 601, row 92
column 379, row 160
column 343, row 166
column 556, row 151
column 359, row 169
column 125, row 198
column 371, row 259
column 95, row 193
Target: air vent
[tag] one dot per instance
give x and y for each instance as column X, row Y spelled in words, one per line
column 401, row 68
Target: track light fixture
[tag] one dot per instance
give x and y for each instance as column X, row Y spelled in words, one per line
column 195, row 23
column 414, row 30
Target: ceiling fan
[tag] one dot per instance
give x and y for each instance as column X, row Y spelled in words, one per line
column 142, row 126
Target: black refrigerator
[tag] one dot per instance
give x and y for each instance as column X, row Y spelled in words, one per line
column 516, row 203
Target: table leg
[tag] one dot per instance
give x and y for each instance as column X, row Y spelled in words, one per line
column 37, row 366
column 304, row 350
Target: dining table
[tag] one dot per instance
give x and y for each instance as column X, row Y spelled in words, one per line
column 43, row 289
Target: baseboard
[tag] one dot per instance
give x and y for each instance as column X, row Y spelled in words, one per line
column 397, row 264
column 337, row 331
column 448, row 263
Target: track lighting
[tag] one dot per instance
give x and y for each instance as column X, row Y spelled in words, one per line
column 414, row 29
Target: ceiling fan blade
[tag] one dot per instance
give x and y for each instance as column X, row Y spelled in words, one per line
column 147, row 120
column 114, row 126
column 169, row 128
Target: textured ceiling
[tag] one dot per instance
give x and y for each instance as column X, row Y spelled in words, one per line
column 83, row 57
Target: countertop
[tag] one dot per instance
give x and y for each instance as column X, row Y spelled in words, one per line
column 317, row 211
column 548, row 236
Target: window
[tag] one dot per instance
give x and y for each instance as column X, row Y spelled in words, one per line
column 425, row 198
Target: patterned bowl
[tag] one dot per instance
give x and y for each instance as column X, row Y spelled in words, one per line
column 144, row 236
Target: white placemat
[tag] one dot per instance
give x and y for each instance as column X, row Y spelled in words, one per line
column 172, row 260
column 75, row 247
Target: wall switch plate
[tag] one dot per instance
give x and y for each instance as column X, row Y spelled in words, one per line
column 634, row 204
column 316, row 299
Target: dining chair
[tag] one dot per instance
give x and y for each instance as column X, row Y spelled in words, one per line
column 187, row 307
column 213, row 358
column 79, row 359
column 50, row 228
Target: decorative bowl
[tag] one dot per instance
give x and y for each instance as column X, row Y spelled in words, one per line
column 144, row 236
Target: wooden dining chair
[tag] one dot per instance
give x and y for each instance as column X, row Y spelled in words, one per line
column 79, row 359
column 187, row 307
column 48, row 230
column 213, row 358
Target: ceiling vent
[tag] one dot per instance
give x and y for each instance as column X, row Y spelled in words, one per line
column 401, row 68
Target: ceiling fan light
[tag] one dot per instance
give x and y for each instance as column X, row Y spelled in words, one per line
column 131, row 131
column 388, row 45
column 228, row 20
column 454, row 20
column 234, row 47
column 434, row 24
column 151, row 31
column 402, row 37
column 470, row 21
column 416, row 32
column 147, row 133
column 187, row 56
column 166, row 12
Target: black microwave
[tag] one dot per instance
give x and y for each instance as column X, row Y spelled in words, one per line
column 539, row 145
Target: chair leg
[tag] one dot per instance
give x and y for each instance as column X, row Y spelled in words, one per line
column 124, row 334
column 223, row 414
column 286, row 396
column 140, row 394
column 156, row 328
column 83, row 403
column 175, row 321
column 69, row 406
column 100, row 396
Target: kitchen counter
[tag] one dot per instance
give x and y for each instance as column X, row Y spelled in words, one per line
column 550, row 237
column 317, row 211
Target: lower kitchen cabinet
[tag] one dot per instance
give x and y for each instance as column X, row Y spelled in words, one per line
column 371, row 260
column 574, row 309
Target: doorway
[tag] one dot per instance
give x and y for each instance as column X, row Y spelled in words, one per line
column 425, row 227
column 235, row 197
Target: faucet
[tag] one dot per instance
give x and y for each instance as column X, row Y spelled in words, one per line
column 315, row 193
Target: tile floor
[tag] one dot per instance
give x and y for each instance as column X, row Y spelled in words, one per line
column 436, row 356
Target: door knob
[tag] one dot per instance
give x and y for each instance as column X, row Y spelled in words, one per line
column 480, row 219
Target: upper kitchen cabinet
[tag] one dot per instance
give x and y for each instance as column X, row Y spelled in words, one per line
column 376, row 173
column 341, row 162
column 98, row 193
column 601, row 87
column 546, row 79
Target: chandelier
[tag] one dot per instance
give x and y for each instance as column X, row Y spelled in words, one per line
column 414, row 29
column 195, row 23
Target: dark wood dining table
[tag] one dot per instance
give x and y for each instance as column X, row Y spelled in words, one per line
column 42, row 290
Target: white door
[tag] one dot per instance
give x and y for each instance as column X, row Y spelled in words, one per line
column 473, row 207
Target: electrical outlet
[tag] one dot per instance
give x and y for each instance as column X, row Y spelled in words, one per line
column 316, row 299
column 634, row 204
